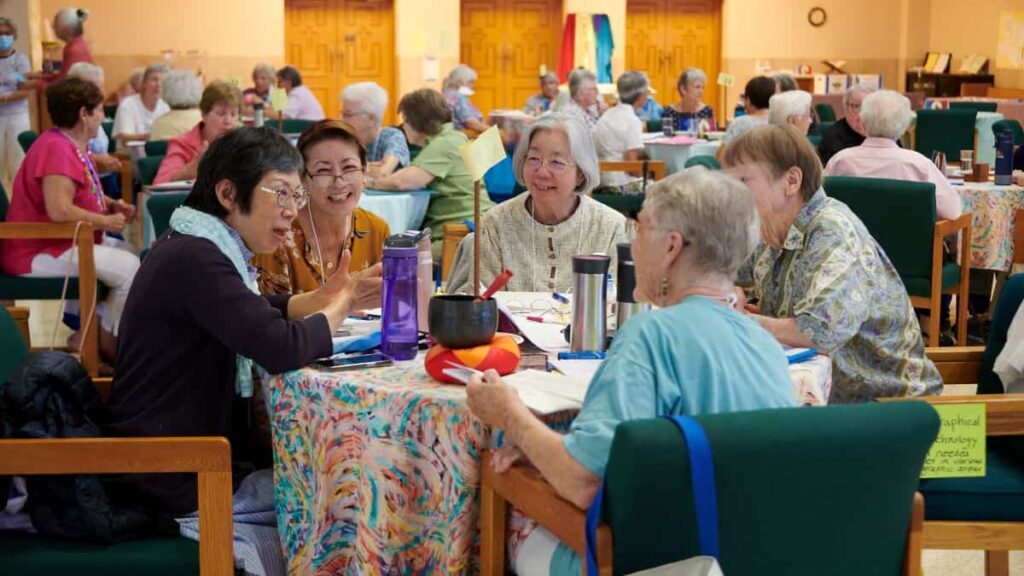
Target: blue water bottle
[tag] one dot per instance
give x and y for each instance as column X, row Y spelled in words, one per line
column 1004, row 158
column 399, row 335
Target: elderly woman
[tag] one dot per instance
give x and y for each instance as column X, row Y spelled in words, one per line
column 218, row 110
column 439, row 166
column 99, row 145
column 302, row 104
column 14, row 93
column 886, row 116
column 849, row 130
column 584, row 101
column 695, row 354
column 331, row 222
column 58, row 182
column 619, row 133
column 691, row 104
column 136, row 113
column 536, row 234
column 821, row 279
column 363, row 105
column 458, row 87
column 263, row 76
column 756, row 96
column 67, row 26
column 541, row 102
column 182, row 91
column 784, row 82
column 793, row 108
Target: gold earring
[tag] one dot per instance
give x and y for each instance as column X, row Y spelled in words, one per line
column 663, row 288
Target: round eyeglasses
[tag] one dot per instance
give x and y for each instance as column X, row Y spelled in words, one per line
column 555, row 164
column 299, row 196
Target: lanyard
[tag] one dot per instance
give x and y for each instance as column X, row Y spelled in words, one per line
column 90, row 170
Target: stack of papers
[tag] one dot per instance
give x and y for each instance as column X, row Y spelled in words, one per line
column 546, row 335
column 174, row 186
column 541, row 392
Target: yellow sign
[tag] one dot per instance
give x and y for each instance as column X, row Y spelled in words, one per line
column 959, row 451
column 726, row 80
column 278, row 99
column 482, row 153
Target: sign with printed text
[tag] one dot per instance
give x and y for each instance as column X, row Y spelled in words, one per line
column 726, row 80
column 959, row 450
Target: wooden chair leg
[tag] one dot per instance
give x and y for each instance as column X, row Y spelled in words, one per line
column 933, row 323
column 492, row 532
column 997, row 563
column 915, row 538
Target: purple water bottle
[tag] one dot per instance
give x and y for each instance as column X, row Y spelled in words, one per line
column 399, row 334
column 1004, row 158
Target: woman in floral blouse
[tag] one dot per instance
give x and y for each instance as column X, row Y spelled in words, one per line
column 820, row 278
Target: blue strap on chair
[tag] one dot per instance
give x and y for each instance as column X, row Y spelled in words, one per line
column 702, row 477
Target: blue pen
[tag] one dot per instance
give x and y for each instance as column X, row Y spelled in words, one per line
column 500, row 439
column 803, row 356
column 560, row 297
column 581, row 355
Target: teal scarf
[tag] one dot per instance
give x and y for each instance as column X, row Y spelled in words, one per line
column 192, row 222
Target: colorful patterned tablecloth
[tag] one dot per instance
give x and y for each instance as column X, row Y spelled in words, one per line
column 377, row 471
column 993, row 215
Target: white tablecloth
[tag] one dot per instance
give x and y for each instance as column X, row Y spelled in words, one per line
column 675, row 155
column 402, row 210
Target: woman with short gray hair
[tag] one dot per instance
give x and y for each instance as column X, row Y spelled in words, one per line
column 136, row 113
column 584, row 100
column 536, row 234
column 263, row 76
column 618, row 135
column 458, row 87
column 691, row 106
column 182, row 91
column 793, row 108
column 696, row 354
column 363, row 105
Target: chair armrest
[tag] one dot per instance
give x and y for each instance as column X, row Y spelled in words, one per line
column 957, row 364
column 954, row 353
column 1004, row 413
column 45, row 230
column 944, row 228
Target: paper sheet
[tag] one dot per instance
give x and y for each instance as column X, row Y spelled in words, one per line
column 545, row 335
column 546, row 392
column 582, row 370
column 278, row 99
column 482, row 153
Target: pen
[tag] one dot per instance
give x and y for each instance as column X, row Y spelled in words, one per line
column 581, row 355
column 535, row 319
column 560, row 298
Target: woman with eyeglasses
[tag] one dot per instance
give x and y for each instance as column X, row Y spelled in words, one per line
column 536, row 234
column 335, row 164
column 195, row 324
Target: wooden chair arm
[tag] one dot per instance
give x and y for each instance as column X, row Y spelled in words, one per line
column 955, row 353
column 46, row 230
column 957, row 364
column 944, row 228
column 1004, row 413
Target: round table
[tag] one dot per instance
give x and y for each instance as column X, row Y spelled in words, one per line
column 674, row 153
column 993, row 212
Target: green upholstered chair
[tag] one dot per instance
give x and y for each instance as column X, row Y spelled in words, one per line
column 209, row 457
column 108, row 127
column 84, row 287
column 842, row 504
column 110, row 111
column 156, row 148
column 901, row 216
column 825, row 112
column 629, row 204
column 26, row 139
column 161, row 206
column 709, row 162
column 947, row 130
column 148, row 169
column 983, row 513
column 1000, row 126
column 815, row 139
column 976, row 106
column 292, row 125
column 654, row 124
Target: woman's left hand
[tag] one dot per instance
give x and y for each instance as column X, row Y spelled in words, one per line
column 490, row 398
column 120, row 207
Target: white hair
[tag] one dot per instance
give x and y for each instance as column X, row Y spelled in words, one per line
column 855, row 90
column 713, row 211
column 182, row 90
column 886, row 114
column 577, row 78
column 632, row 85
column 688, row 76
column 785, row 105
column 264, row 69
column 71, row 18
column 368, row 97
column 581, row 147
column 158, row 68
column 459, row 76
column 87, row 71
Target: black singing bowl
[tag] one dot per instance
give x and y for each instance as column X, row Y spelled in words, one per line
column 457, row 321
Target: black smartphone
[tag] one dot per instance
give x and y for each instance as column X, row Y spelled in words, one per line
column 337, row 363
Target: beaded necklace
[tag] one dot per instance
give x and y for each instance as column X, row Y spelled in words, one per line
column 88, row 168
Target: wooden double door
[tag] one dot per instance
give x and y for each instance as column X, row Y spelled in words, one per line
column 507, row 42
column 664, row 37
column 334, row 43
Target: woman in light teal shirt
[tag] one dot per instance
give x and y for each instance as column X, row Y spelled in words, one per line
column 696, row 354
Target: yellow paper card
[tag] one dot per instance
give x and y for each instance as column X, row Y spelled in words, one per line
column 726, row 80
column 278, row 99
column 234, row 81
column 482, row 153
column 959, row 451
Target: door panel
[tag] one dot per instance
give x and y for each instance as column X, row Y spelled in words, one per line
column 310, row 34
column 480, row 47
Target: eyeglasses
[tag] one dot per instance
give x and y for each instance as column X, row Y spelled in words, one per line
column 299, row 196
column 327, row 179
column 555, row 165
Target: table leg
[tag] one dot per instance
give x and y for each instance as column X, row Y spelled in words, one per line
column 492, row 530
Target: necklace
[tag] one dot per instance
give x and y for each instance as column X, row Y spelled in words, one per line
column 346, row 243
column 89, row 169
column 533, row 230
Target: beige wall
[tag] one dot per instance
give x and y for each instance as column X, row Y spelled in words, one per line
column 962, row 31
column 424, row 29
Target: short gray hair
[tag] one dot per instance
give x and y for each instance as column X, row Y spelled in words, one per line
column 264, row 69
column 87, row 71
column 576, row 79
column 784, row 105
column 459, row 75
column 135, row 78
column 886, row 114
column 785, row 82
column 182, row 90
column 547, row 75
column 713, row 211
column 158, row 68
column 370, row 97
column 581, row 147
column 632, row 85
column 855, row 90
column 689, row 75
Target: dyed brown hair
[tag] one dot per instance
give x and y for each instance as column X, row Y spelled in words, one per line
column 781, row 148
column 425, row 110
column 330, row 129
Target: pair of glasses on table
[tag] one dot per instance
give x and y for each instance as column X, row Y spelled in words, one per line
column 300, row 196
column 549, row 310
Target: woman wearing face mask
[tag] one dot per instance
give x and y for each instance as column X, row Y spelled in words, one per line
column 458, row 87
column 14, row 94
column 335, row 163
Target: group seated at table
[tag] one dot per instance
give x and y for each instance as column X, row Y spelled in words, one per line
column 331, row 223
column 535, row 235
column 363, row 105
column 218, row 109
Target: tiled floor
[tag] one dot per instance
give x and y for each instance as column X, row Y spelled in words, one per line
column 936, row 562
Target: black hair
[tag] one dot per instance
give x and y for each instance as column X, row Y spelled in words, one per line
column 759, row 90
column 242, row 156
column 290, row 74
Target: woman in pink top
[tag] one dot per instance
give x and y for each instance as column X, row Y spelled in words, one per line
column 219, row 107
column 58, row 182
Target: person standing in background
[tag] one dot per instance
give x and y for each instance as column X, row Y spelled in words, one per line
column 14, row 94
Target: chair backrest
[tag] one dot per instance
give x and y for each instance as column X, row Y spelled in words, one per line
column 156, row 148
column 976, row 106
column 900, row 214
column 161, row 206
column 292, row 125
column 26, row 139
column 787, row 504
column 655, row 168
column 825, row 111
column 1000, row 126
column 947, row 130
column 110, row 111
column 12, row 343
column 709, row 162
column 654, row 124
column 108, row 127
column 148, row 168
column 1006, row 308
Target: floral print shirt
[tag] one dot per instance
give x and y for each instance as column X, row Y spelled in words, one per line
column 848, row 299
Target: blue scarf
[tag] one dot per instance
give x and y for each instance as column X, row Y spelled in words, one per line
column 192, row 222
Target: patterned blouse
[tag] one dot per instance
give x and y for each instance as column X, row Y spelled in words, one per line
column 462, row 109
column 848, row 299
column 389, row 142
